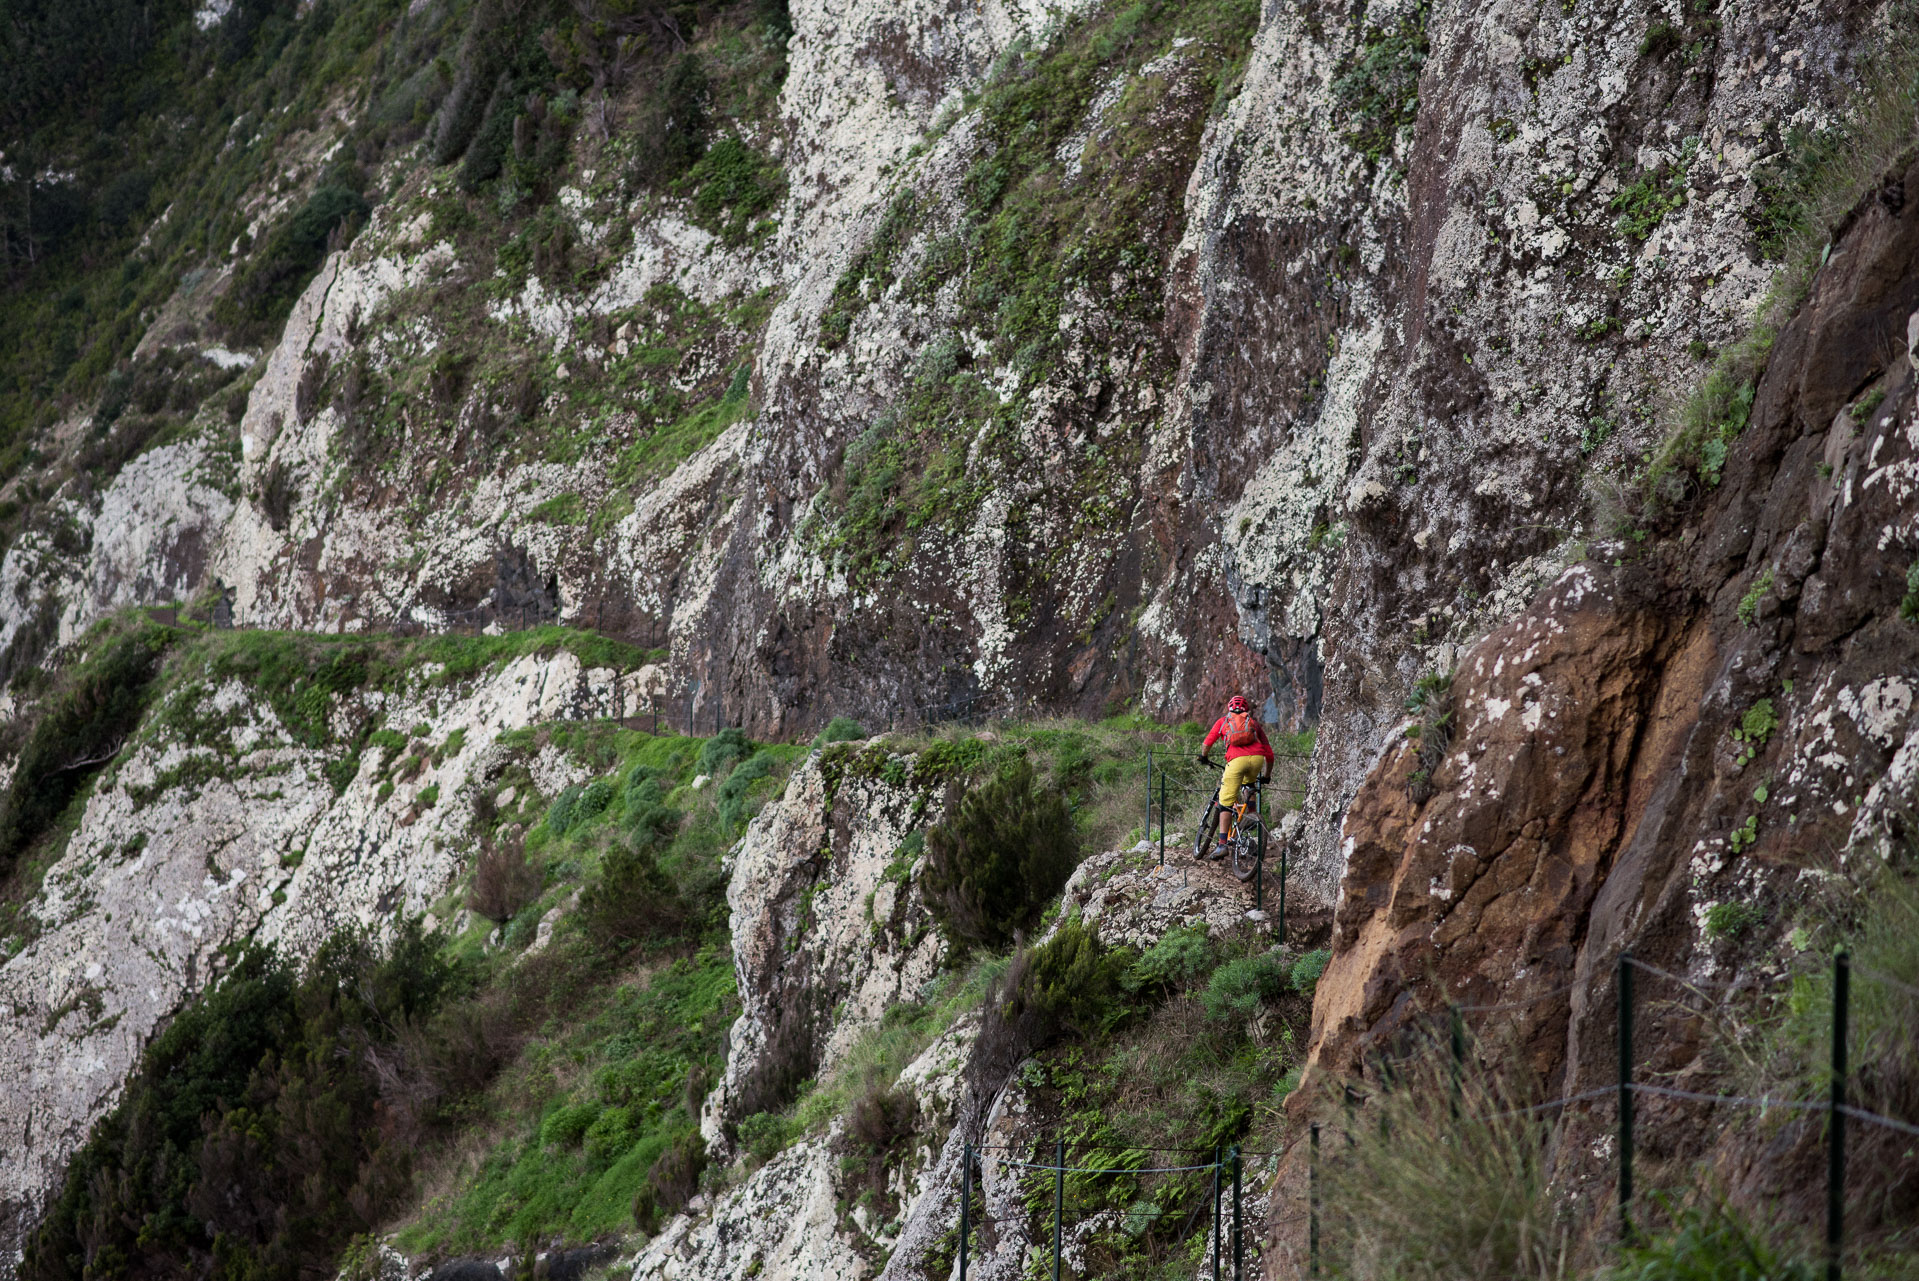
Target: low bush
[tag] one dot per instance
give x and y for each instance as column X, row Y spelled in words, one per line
column 633, row 901
column 841, row 729
column 85, row 718
column 723, row 750
column 503, row 881
column 1069, row 985
column 1713, row 1243
column 1308, row 969
column 1007, row 851
column 1180, row 957
column 671, row 1182
column 1239, row 987
column 1419, row 1194
column 252, row 1141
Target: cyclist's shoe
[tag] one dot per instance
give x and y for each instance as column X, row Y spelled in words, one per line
column 1219, row 849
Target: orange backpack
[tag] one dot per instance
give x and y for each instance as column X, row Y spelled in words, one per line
column 1241, row 729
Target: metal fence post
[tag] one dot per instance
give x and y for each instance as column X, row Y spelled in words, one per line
column 1623, row 981
column 1459, row 1056
column 1259, row 861
column 1312, row 1202
column 1282, row 892
column 1217, row 1156
column 1239, row 1235
column 1162, row 818
column 1149, row 793
column 1836, row 1118
column 966, row 1205
column 1059, row 1198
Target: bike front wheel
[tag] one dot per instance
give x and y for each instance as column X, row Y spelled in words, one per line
column 1246, row 845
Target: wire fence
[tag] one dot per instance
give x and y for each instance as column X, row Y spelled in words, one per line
column 1228, row 1238
column 1627, row 1088
column 1225, row 1196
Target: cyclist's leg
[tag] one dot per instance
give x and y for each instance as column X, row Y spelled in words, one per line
column 1240, row 772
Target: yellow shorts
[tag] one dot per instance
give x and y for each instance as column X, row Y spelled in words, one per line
column 1240, row 772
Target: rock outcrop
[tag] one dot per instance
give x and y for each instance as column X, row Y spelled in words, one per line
column 1720, row 717
column 220, row 826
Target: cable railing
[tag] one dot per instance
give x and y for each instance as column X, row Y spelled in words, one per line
column 1098, row 1158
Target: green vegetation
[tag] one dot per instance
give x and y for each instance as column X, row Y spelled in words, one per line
column 1417, row 1193
column 1909, row 603
column 1710, row 1243
column 86, row 713
column 1145, row 1064
column 1378, row 84
column 1002, row 857
column 1644, row 203
column 251, row 1141
column 1748, row 607
column 1431, row 700
column 1805, row 192
column 1044, row 219
column 264, row 291
column 732, row 186
column 1754, row 728
column 590, row 1128
column 1730, row 920
column 668, row 446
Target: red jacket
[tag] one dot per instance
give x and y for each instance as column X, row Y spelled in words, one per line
column 1262, row 748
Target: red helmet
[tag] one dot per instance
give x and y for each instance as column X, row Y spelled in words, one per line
column 1238, row 704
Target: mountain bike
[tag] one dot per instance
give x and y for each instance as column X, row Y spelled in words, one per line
column 1243, row 830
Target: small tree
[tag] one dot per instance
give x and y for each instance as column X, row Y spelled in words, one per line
column 992, row 868
column 503, row 881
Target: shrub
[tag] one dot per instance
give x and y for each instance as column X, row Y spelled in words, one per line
column 264, row 292
column 733, row 796
column 672, row 1181
column 611, row 1133
column 1238, row 988
column 633, row 902
column 731, row 185
column 841, row 729
column 992, row 868
column 578, row 804
column 503, row 881
column 87, row 717
column 1178, row 958
column 644, row 814
column 724, row 749
column 763, row 1135
column 1710, row 1244
column 565, row 1126
column 1308, row 968
column 1730, row 920
column 671, row 134
column 1076, row 981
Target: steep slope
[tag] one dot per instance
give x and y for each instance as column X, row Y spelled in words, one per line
column 1695, row 749
column 923, row 362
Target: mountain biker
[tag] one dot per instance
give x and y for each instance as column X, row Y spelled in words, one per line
column 1249, row 755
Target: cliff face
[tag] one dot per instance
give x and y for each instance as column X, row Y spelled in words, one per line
column 1032, row 359
column 1716, row 728
column 1091, row 362
column 226, row 821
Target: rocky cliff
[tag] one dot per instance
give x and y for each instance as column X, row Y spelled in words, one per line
column 931, row 362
